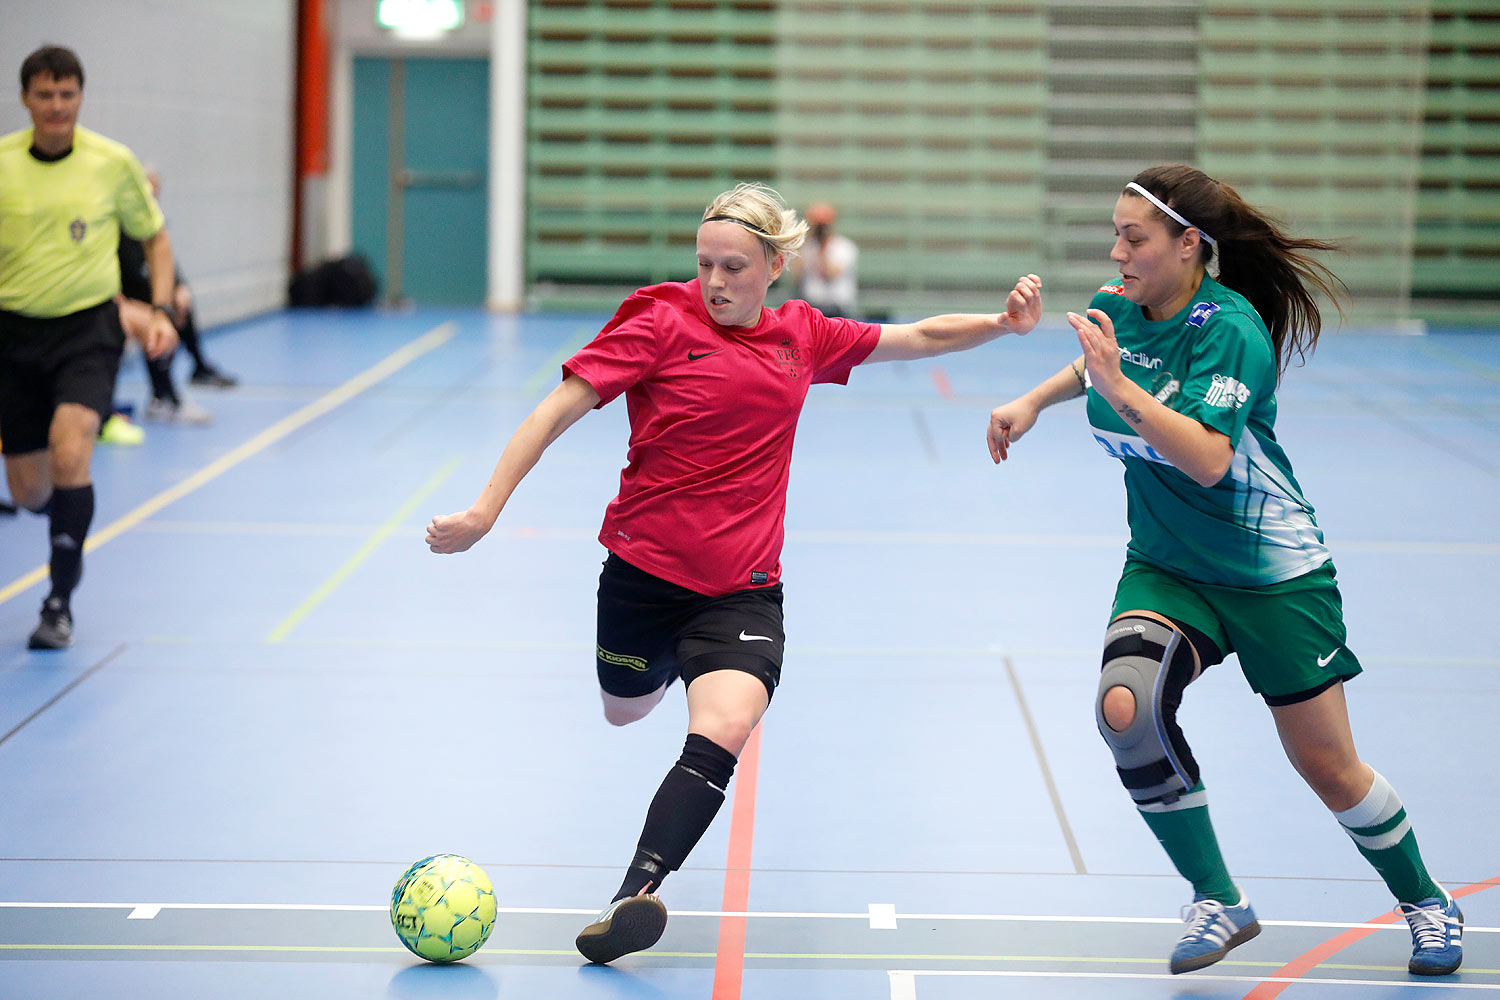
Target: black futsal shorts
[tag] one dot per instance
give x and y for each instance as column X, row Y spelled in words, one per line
column 652, row 631
column 47, row 362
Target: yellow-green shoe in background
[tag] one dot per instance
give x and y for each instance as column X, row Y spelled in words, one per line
column 119, row 430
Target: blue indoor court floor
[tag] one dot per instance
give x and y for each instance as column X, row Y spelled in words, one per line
column 279, row 698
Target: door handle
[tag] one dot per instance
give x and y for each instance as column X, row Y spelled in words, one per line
column 440, row 179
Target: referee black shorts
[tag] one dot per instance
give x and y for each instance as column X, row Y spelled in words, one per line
column 45, row 362
column 652, row 630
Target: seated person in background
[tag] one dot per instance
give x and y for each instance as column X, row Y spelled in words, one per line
column 167, row 404
column 826, row 278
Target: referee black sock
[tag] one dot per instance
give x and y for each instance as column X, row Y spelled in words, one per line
column 684, row 806
column 187, row 334
column 160, row 372
column 72, row 513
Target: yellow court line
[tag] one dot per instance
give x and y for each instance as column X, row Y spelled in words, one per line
column 372, row 543
column 1463, row 361
column 540, row 378
column 391, row 364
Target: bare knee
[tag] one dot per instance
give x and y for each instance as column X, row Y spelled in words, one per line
column 732, row 736
column 617, row 716
column 33, row 495
column 1338, row 779
column 730, row 730
column 26, row 475
column 623, row 711
column 70, row 461
column 724, row 706
column 1119, row 708
column 71, row 444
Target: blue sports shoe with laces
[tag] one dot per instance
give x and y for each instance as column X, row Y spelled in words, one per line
column 1212, row 929
column 1437, row 935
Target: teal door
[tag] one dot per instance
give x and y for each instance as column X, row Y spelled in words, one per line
column 421, row 168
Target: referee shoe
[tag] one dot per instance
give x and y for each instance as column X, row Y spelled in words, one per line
column 627, row 925
column 55, row 630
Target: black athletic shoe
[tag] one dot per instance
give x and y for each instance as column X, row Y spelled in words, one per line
column 627, row 925
column 55, row 630
column 211, row 377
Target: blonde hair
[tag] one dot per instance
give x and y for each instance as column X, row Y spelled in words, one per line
column 760, row 210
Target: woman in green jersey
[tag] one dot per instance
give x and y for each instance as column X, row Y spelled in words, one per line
column 1180, row 370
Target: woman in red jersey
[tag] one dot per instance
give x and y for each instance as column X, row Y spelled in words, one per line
column 714, row 383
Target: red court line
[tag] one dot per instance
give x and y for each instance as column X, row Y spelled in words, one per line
column 1303, row 964
column 729, row 963
column 940, row 379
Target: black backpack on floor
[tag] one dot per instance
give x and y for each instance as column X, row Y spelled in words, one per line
column 343, row 281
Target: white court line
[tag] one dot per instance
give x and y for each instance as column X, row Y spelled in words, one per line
column 876, row 911
column 882, row 916
column 903, row 986
column 904, row 981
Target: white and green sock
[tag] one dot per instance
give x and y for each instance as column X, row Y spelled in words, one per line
column 1380, row 829
column 1187, row 835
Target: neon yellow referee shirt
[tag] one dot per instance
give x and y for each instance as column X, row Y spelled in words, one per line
column 60, row 222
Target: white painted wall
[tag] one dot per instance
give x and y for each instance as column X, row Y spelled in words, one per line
column 204, row 90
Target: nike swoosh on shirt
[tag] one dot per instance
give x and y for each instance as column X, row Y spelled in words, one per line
column 1323, row 661
column 695, row 357
column 746, row 637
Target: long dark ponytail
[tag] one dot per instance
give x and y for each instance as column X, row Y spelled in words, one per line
column 1257, row 258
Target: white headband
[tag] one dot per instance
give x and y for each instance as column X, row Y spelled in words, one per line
column 1153, row 199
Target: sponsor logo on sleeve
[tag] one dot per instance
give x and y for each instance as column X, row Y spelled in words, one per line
column 1201, row 312
column 1226, row 393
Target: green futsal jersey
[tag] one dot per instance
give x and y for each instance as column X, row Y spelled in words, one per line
column 1214, row 362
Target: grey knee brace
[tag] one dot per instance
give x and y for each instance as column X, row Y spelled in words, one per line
column 1155, row 662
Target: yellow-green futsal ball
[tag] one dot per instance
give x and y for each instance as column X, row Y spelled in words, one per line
column 443, row 908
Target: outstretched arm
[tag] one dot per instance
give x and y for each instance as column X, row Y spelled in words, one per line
column 1202, row 452
column 960, row 331
column 560, row 410
column 1009, row 421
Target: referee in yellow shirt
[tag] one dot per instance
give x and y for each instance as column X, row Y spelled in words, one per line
column 65, row 195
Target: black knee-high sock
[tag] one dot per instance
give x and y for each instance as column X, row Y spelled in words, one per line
column 187, row 335
column 684, row 806
column 160, row 372
column 72, row 512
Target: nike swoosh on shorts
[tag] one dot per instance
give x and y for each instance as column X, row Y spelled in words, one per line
column 746, row 637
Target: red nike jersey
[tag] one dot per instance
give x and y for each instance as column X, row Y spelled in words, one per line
column 713, row 413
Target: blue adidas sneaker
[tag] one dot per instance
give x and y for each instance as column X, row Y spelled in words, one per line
column 1437, row 935
column 1212, row 929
